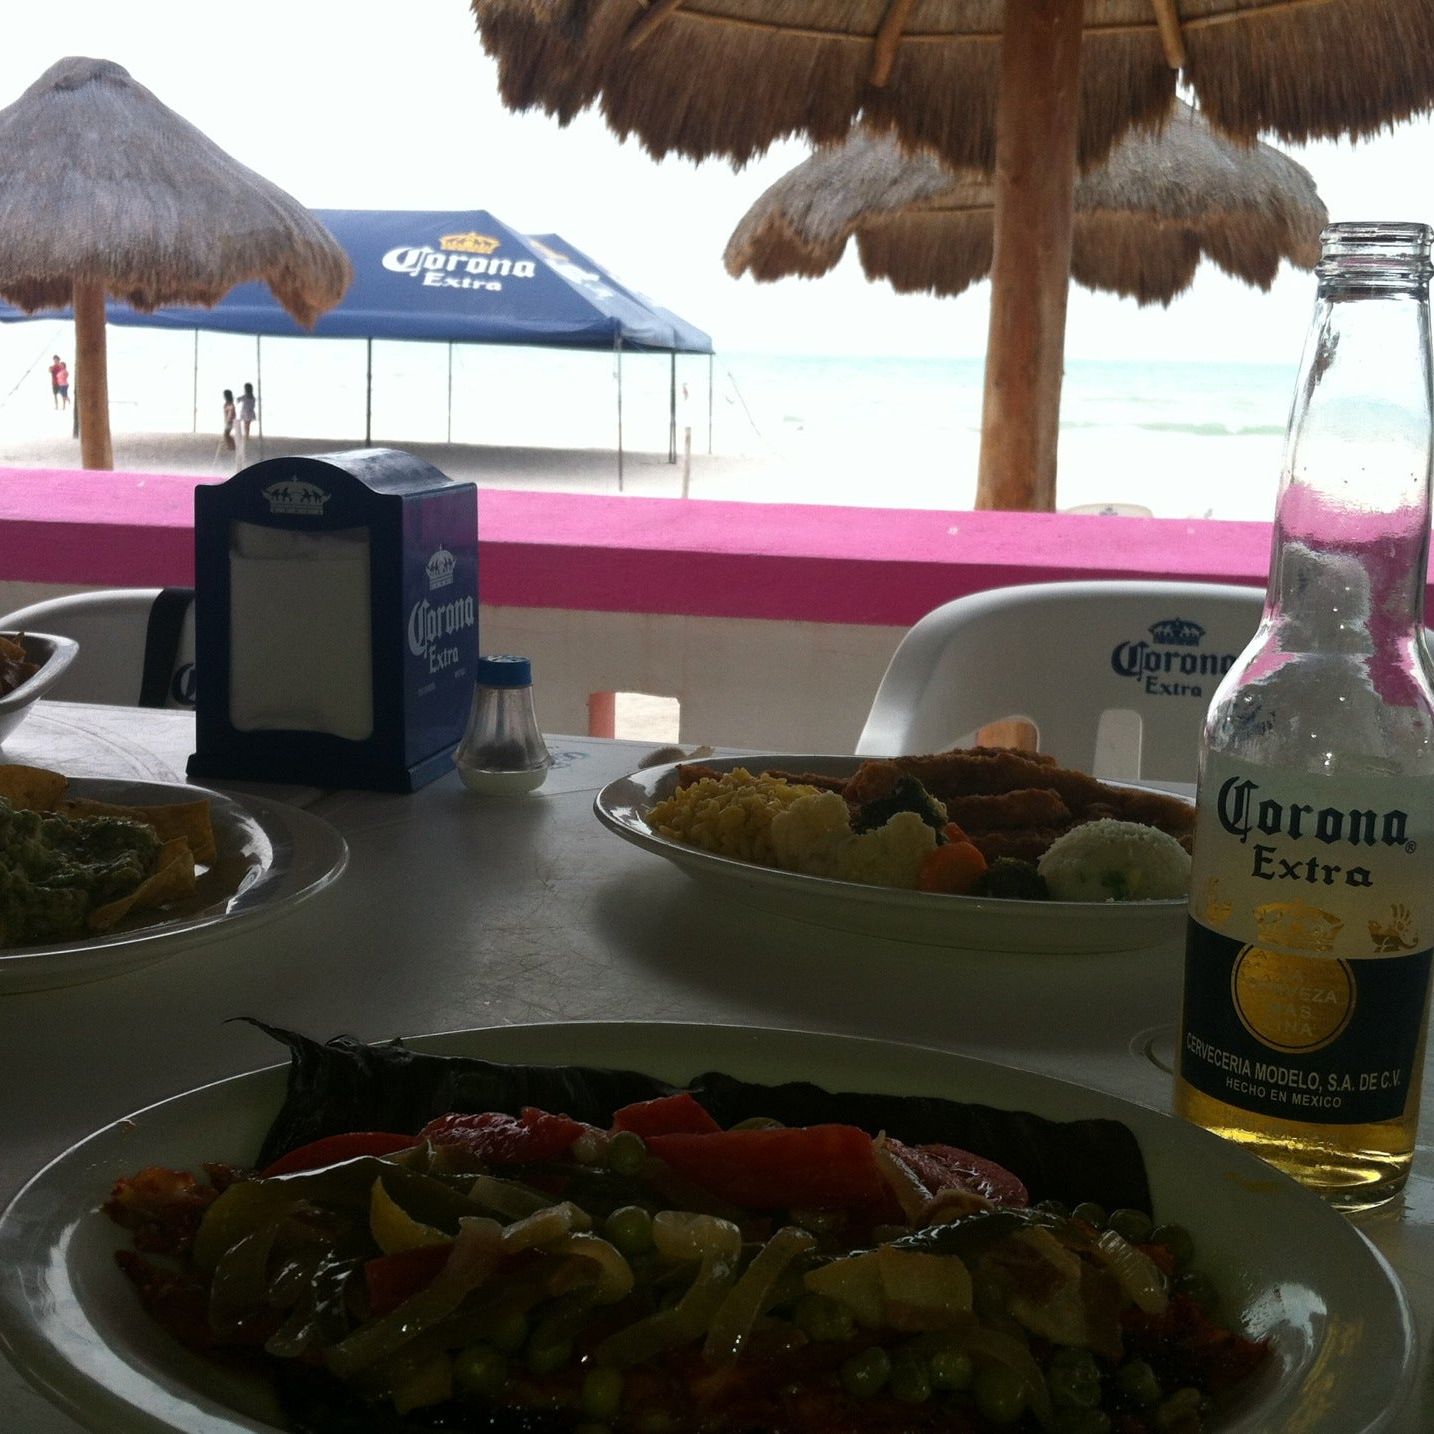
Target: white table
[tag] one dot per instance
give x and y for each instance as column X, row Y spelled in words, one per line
column 459, row 911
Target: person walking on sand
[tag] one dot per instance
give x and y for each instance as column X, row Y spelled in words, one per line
column 226, row 439
column 60, row 383
column 248, row 408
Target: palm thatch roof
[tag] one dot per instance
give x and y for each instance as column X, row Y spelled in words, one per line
column 102, row 183
column 729, row 77
column 1144, row 220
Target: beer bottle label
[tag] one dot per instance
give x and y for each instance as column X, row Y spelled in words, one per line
column 1308, row 950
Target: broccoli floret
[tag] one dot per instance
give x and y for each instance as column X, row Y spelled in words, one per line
column 1010, row 877
column 908, row 795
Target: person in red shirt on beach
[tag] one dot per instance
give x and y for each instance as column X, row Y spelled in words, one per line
column 60, row 383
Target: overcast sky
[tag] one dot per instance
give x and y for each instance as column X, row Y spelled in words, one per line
column 393, row 105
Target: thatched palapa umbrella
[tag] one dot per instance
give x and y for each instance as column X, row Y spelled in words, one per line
column 1144, row 218
column 1025, row 90
column 105, row 191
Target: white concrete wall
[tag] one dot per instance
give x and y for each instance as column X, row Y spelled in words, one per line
column 774, row 686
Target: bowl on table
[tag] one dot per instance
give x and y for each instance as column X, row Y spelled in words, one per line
column 52, row 655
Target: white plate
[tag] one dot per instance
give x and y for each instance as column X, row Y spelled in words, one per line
column 931, row 918
column 1288, row 1266
column 271, row 856
column 54, row 655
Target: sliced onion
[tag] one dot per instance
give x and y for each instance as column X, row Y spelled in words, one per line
column 911, row 1194
column 1136, row 1273
column 683, row 1235
column 508, row 1197
column 615, row 1278
column 668, row 1329
column 543, row 1227
column 476, row 1253
column 748, row 1299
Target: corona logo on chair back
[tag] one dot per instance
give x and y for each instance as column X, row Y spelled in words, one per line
column 1170, row 662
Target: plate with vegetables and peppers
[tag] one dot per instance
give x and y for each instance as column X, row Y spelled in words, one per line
column 982, row 848
column 627, row 1227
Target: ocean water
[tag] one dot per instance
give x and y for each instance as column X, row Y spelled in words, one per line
column 1181, row 439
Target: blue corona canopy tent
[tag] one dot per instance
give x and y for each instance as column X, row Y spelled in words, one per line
column 456, row 277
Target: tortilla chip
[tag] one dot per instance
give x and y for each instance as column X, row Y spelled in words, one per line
column 173, row 876
column 35, row 789
column 188, row 821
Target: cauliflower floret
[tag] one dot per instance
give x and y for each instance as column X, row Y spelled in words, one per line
column 1110, row 860
column 814, row 836
column 808, row 835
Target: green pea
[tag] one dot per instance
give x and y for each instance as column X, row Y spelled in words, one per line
column 509, row 1332
column 1176, row 1239
column 951, row 1368
column 1179, row 1413
column 480, row 1372
column 866, row 1373
column 629, row 1229
column 910, row 1378
column 1073, row 1378
column 1000, row 1393
column 626, row 1153
column 823, row 1319
column 1200, row 1288
column 548, row 1356
column 1136, row 1380
column 1132, row 1225
column 602, row 1392
column 1091, row 1213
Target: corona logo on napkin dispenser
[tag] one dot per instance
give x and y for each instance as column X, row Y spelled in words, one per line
column 336, row 620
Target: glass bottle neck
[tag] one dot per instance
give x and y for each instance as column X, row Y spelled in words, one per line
column 1352, row 520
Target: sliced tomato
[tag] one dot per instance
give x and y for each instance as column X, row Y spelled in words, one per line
column 944, row 1167
column 505, row 1139
column 677, row 1114
column 333, row 1148
column 819, row 1167
column 391, row 1279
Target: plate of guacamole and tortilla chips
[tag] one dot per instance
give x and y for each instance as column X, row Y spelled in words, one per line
column 102, row 875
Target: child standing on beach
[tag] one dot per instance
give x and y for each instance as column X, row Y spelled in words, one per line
column 248, row 407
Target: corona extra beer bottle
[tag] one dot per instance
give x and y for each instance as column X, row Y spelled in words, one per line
column 1312, row 887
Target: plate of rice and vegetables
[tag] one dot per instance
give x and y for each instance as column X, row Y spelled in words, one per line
column 982, row 847
column 634, row 1229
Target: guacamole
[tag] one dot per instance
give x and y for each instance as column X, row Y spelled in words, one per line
column 55, row 870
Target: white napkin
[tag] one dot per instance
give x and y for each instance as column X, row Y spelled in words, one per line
column 300, row 631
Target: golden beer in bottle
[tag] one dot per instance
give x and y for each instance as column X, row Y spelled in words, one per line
column 1311, row 917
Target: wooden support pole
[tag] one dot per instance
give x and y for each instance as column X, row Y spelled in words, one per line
column 92, row 384
column 1036, row 117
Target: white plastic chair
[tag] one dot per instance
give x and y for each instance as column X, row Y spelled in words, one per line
column 1116, row 677
column 136, row 644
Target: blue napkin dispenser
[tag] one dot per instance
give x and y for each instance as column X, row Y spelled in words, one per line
column 336, row 621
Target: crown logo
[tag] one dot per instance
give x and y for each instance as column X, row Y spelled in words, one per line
column 471, row 243
column 1177, row 632
column 440, row 568
column 295, row 497
column 1296, row 927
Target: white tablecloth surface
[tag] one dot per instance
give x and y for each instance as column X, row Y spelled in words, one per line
column 460, row 911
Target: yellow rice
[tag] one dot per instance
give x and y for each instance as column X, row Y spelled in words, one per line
column 730, row 815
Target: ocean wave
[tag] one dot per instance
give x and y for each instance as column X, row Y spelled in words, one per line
column 1215, row 430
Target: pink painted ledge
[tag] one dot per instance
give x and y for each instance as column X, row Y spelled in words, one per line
column 586, row 552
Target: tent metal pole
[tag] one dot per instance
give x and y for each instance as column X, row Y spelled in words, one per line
column 196, row 380
column 450, row 392
column 259, row 388
column 672, row 408
column 710, row 359
column 617, row 346
column 368, row 399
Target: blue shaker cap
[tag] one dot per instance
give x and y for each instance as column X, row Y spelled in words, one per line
column 505, row 671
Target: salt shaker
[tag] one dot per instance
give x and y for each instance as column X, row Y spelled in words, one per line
column 502, row 752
